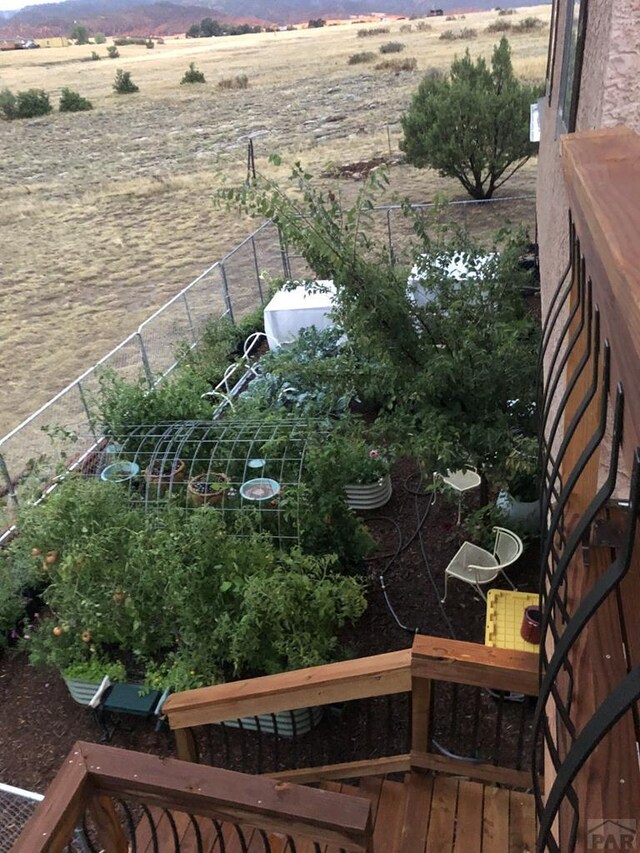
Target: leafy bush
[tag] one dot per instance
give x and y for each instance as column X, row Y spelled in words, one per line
column 8, row 105
column 123, row 84
column 506, row 11
column 113, row 52
column 397, row 65
column 363, row 56
column 451, row 18
column 392, row 47
column 316, row 23
column 528, row 25
column 73, row 102
column 240, row 81
column 80, row 34
column 100, row 38
column 124, row 41
column 33, row 102
column 405, row 28
column 149, row 44
column 95, row 57
column 192, row 75
column 423, row 27
column 373, row 31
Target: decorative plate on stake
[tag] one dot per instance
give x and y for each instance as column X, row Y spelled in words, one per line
column 260, row 489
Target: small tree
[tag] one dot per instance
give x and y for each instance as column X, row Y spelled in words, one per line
column 80, row 34
column 8, row 105
column 316, row 23
column 95, row 57
column 150, row 44
column 113, row 51
column 100, row 38
column 73, row 102
column 192, row 75
column 472, row 125
column 123, row 84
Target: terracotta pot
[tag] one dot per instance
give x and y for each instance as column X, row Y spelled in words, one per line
column 530, row 628
column 215, row 496
column 171, row 473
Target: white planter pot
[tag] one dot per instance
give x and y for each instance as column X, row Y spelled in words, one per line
column 285, row 724
column 522, row 514
column 82, row 691
column 369, row 495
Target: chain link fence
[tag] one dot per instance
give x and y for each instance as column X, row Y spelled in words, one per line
column 62, row 433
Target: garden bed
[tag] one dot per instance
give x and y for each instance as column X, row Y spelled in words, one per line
column 39, row 721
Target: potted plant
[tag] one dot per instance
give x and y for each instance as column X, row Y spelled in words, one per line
column 364, row 471
column 208, row 488
column 163, row 473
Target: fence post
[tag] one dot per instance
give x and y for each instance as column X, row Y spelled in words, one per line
column 145, row 360
column 284, row 254
column 255, row 261
column 420, row 714
column 392, row 254
column 87, row 410
column 110, row 832
column 12, row 498
column 186, row 747
column 189, row 320
column 225, row 292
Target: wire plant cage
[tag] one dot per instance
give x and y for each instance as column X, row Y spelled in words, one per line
column 251, row 471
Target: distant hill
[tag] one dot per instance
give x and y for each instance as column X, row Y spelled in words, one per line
column 116, row 17
column 147, row 17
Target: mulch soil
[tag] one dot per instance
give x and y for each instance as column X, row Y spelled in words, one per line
column 39, row 722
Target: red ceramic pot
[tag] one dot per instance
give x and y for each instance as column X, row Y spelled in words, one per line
column 530, row 629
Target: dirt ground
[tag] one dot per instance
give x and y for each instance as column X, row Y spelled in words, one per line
column 107, row 214
column 39, row 722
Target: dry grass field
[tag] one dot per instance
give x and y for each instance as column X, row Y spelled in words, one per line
column 107, row 214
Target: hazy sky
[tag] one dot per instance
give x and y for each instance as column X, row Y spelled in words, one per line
column 18, row 4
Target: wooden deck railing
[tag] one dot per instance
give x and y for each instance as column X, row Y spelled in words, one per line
column 587, row 714
column 414, row 671
column 96, row 782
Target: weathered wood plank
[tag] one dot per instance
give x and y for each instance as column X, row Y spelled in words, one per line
column 389, row 817
column 107, row 823
column 379, row 675
column 469, row 818
column 495, row 820
column 522, row 823
column 472, row 663
column 420, row 713
column 478, row 772
column 443, row 815
column 347, row 770
column 415, row 823
column 56, row 817
column 230, row 796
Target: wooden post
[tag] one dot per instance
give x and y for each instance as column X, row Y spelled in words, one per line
column 110, row 832
column 186, row 747
column 420, row 714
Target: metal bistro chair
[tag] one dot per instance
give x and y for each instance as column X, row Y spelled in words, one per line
column 476, row 566
column 460, row 481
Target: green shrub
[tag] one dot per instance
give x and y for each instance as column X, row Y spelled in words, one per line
column 423, row 27
column 73, row 102
column 100, row 38
column 454, row 35
column 391, row 47
column 240, row 81
column 398, row 65
column 506, row 11
column 451, row 18
column 528, row 25
column 123, row 41
column 192, row 75
column 150, row 44
column 498, row 27
column 113, row 51
column 373, row 31
column 95, row 57
column 8, row 105
column 123, row 84
column 406, row 28
column 363, row 56
column 33, row 102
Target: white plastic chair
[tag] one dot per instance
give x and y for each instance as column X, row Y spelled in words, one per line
column 476, row 566
column 461, row 481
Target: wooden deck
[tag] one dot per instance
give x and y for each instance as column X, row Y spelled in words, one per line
column 426, row 814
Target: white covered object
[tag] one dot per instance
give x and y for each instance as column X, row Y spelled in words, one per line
column 292, row 310
column 457, row 268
